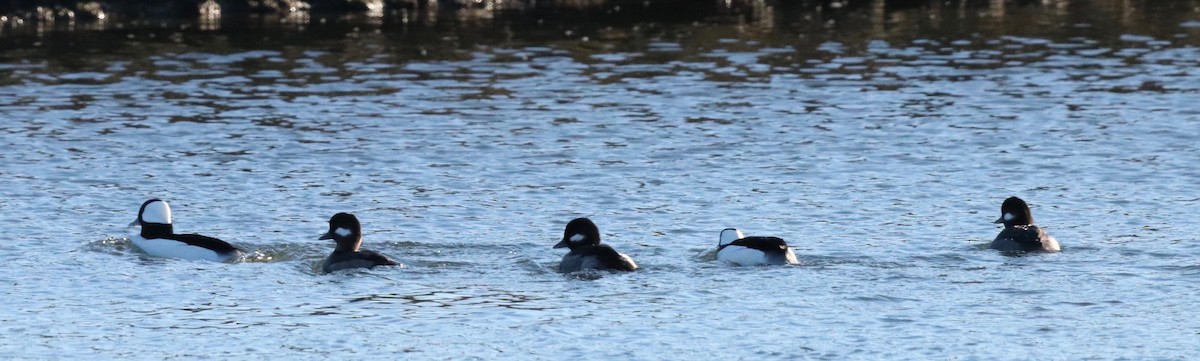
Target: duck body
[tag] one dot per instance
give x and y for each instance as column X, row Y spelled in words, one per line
column 157, row 237
column 582, row 237
column 1019, row 233
column 736, row 249
column 346, row 232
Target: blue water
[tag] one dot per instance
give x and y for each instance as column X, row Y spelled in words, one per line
column 879, row 144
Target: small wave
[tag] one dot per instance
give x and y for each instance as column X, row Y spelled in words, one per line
column 112, row 245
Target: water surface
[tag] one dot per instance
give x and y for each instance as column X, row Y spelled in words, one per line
column 879, row 142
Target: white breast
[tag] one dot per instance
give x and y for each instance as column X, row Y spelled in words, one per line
column 742, row 256
column 176, row 249
column 745, row 256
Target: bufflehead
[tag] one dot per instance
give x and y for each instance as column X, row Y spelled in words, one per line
column 158, row 237
column 737, row 249
column 1019, row 233
column 345, row 230
column 583, row 238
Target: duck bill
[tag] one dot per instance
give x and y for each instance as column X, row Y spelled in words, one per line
column 563, row 244
column 134, row 223
column 999, row 220
column 327, row 235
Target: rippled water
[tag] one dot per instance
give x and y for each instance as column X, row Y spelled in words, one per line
column 878, row 143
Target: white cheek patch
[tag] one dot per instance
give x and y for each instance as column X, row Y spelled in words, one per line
column 577, row 237
column 157, row 212
column 342, row 232
column 1008, row 216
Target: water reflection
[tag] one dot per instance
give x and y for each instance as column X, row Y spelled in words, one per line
column 210, row 15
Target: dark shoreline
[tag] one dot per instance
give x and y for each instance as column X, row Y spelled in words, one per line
column 610, row 21
column 16, row 13
column 91, row 10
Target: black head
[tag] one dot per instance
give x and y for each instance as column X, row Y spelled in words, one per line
column 1014, row 212
column 345, row 230
column 155, row 219
column 580, row 232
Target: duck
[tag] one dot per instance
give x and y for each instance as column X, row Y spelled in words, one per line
column 157, row 237
column 346, row 232
column 1019, row 233
column 582, row 237
column 736, row 249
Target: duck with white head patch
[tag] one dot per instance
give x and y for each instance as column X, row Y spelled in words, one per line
column 736, row 249
column 157, row 237
column 583, row 238
column 345, row 230
column 1019, row 234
